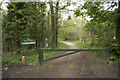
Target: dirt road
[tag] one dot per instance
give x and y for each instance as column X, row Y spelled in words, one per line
column 79, row 65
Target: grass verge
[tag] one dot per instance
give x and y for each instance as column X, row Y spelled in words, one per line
column 47, row 66
column 52, row 53
column 30, row 56
column 100, row 54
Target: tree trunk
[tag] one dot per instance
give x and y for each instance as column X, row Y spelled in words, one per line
column 118, row 26
column 56, row 22
column 92, row 36
column 48, row 30
column 18, row 47
column 52, row 25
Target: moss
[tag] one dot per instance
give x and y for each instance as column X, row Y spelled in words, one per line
column 72, row 65
column 47, row 66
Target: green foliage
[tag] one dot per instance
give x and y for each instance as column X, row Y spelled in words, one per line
column 68, row 30
column 81, row 45
column 24, row 20
column 100, row 54
column 102, row 26
column 10, row 61
column 115, row 52
column 77, row 12
column 69, row 17
column 30, row 56
column 50, row 54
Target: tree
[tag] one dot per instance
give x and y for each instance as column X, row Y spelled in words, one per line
column 103, row 26
column 118, row 24
column 100, row 20
column 23, row 21
column 52, row 24
column 56, row 22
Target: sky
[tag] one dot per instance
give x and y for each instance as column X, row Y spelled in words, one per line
column 71, row 7
column 4, row 4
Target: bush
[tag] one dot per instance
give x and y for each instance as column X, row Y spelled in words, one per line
column 115, row 52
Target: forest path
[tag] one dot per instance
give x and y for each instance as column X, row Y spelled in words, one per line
column 79, row 65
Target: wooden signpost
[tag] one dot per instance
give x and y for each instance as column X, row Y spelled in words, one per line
column 28, row 42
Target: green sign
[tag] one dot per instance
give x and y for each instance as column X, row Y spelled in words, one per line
column 24, row 43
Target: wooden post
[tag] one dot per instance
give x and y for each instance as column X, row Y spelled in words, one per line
column 107, row 55
column 39, row 56
column 23, row 59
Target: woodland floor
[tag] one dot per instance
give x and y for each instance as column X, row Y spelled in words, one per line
column 79, row 65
